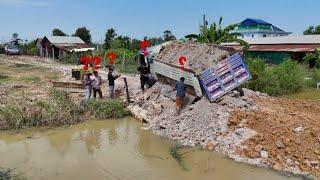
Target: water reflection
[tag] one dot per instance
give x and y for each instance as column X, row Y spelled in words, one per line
column 113, row 149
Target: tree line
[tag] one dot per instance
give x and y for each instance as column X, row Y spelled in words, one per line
column 114, row 41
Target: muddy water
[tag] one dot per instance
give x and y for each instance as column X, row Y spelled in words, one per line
column 113, row 149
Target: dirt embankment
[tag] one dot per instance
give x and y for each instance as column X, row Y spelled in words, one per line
column 288, row 134
column 199, row 56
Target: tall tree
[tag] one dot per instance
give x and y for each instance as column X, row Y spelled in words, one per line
column 168, row 36
column 84, row 34
column 216, row 34
column 109, row 38
column 58, row 32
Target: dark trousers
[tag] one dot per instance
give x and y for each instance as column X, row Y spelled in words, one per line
column 95, row 93
column 143, row 82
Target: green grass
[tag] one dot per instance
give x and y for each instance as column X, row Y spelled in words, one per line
column 107, row 108
column 52, row 76
column 25, row 67
column 31, row 78
column 307, row 94
column 4, row 78
column 176, row 154
column 58, row 110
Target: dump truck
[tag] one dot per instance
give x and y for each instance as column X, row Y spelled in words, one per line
column 212, row 79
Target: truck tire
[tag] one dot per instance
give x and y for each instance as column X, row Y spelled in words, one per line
column 240, row 90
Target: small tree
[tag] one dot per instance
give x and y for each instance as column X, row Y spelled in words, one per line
column 313, row 59
column 312, row 30
column 84, row 34
column 109, row 38
column 168, row 36
column 58, row 32
column 121, row 42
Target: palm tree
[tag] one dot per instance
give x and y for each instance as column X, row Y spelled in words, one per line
column 215, row 34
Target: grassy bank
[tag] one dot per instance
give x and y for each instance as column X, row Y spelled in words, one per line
column 57, row 110
column 309, row 93
column 27, row 99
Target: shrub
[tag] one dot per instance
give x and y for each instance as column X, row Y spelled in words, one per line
column 285, row 78
column 107, row 108
column 316, row 76
column 11, row 116
column 70, row 59
column 130, row 65
column 60, row 110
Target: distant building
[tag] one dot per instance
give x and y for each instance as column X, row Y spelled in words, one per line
column 57, row 47
column 275, row 50
column 253, row 28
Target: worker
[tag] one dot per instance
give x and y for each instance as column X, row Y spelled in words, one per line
column 96, row 85
column 144, row 72
column 181, row 93
column 111, row 79
column 87, row 82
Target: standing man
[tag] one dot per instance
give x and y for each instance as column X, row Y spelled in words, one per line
column 96, row 85
column 144, row 71
column 111, row 79
column 87, row 82
column 181, row 93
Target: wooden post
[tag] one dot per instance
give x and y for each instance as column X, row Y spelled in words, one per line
column 122, row 63
column 52, row 52
column 127, row 90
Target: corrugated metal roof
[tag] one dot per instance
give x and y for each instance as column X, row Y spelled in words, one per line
column 65, row 40
column 299, row 39
column 284, row 48
column 277, row 47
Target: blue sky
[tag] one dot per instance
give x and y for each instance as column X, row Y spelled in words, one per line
column 139, row 18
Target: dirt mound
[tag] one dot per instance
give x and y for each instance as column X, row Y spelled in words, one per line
column 199, row 56
column 288, row 132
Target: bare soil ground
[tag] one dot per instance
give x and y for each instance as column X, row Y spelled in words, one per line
column 23, row 80
column 289, row 130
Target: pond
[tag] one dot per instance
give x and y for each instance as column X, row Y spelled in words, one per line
column 114, row 149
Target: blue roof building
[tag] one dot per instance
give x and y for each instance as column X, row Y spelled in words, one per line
column 251, row 28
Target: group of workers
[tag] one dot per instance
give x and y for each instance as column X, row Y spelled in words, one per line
column 94, row 82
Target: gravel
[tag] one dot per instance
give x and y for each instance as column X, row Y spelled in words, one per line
column 202, row 124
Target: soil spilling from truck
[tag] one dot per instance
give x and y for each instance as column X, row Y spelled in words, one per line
column 200, row 56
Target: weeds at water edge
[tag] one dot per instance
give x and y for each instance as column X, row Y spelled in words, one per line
column 175, row 152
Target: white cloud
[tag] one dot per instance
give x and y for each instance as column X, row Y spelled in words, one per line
column 35, row 3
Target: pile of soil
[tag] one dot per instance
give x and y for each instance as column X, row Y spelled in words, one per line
column 288, row 133
column 202, row 123
column 199, row 56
